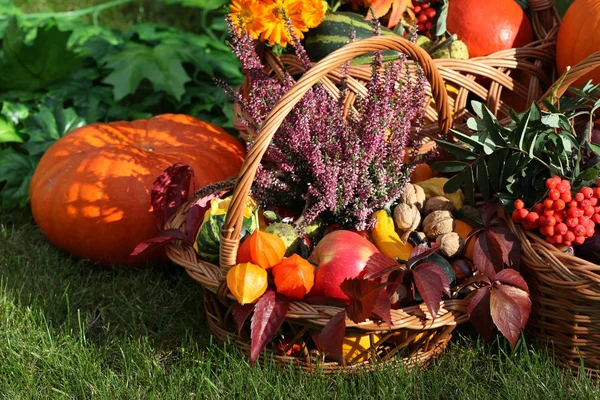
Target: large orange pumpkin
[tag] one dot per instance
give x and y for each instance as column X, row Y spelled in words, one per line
column 488, row 26
column 578, row 37
column 90, row 194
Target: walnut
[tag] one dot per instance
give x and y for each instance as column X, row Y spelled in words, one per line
column 438, row 203
column 451, row 244
column 413, row 195
column 407, row 217
column 437, row 223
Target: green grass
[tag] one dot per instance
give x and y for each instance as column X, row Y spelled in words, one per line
column 71, row 330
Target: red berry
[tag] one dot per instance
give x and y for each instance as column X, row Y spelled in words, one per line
column 565, row 183
column 550, row 220
column 523, row 213
column 579, row 230
column 559, row 215
column 417, row 9
column 544, row 230
column 558, row 238
column 566, row 197
column 553, row 194
column 420, row 27
column 528, row 226
column 579, row 197
column 542, row 221
column 597, row 209
column 428, row 25
column 597, row 192
column 425, row 6
column 588, row 211
column 533, row 217
column 579, row 239
column 578, row 212
column 519, row 204
column 516, row 217
column 585, row 203
column 582, row 221
column 422, row 18
column 572, row 212
column 430, row 13
column 589, row 231
column 548, row 212
column 596, row 218
column 559, row 205
column 538, row 208
column 571, row 222
column 550, row 239
column 551, row 184
column 569, row 236
column 548, row 204
column 550, row 231
column 587, row 192
column 594, row 201
column 557, row 179
column 563, row 188
column 561, row 228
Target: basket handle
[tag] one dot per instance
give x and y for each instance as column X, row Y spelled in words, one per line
column 230, row 233
column 579, row 70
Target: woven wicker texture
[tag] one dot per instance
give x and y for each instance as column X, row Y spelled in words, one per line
column 565, row 290
column 415, row 334
column 512, row 78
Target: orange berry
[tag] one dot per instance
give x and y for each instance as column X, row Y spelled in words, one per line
column 566, row 197
column 519, row 204
column 559, row 205
column 548, row 204
column 554, row 194
column 550, row 230
column 548, row 212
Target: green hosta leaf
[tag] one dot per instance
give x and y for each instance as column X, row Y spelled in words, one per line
column 16, row 170
column 449, row 166
column 32, row 66
column 49, row 125
column 8, row 133
column 159, row 65
column 15, row 112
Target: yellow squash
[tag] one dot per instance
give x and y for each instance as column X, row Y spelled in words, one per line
column 386, row 239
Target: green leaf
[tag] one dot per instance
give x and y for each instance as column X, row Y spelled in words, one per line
column 456, row 150
column 510, row 165
column 49, row 125
column 483, row 179
column 15, row 112
column 552, row 120
column 493, row 127
column 159, row 65
column 477, row 108
column 449, row 166
column 8, row 134
column 590, row 174
column 468, row 140
column 521, row 131
column 204, row 4
column 595, row 148
column 469, row 186
column 16, row 170
column 455, row 182
column 33, row 66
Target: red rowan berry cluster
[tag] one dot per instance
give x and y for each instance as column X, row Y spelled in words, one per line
column 563, row 218
column 424, row 15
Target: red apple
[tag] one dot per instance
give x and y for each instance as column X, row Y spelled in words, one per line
column 339, row 255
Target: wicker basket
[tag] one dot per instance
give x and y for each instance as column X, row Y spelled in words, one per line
column 565, row 290
column 416, row 336
column 512, row 78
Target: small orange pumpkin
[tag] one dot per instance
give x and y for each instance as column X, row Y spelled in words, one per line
column 578, row 37
column 262, row 248
column 90, row 194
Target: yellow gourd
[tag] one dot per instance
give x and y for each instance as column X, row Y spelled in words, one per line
column 386, row 239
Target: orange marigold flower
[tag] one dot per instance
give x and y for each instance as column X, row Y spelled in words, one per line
column 276, row 31
column 313, row 12
column 248, row 15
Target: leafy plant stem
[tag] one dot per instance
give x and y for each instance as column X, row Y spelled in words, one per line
column 80, row 13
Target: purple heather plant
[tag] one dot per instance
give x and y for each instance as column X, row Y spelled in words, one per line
column 342, row 168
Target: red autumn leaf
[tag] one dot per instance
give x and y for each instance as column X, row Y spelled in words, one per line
column 432, row 282
column 383, row 308
column 379, row 265
column 510, row 245
column 487, row 255
column 170, row 190
column 479, row 312
column 363, row 295
column 149, row 249
column 240, row 315
column 331, row 338
column 195, row 214
column 395, row 279
column 379, row 8
column 488, row 211
column 512, row 277
column 421, row 252
column 510, row 308
column 269, row 314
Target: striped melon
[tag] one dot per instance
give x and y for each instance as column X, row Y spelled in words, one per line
column 334, row 32
column 208, row 238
